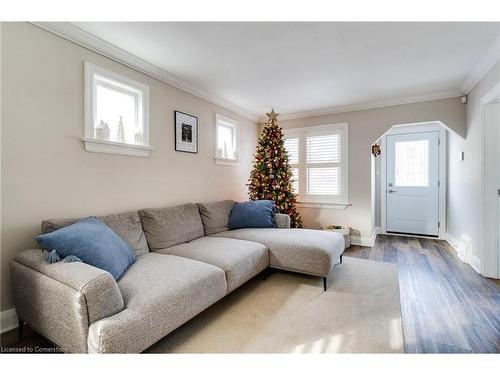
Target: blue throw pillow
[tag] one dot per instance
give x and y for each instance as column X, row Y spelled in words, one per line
column 93, row 242
column 252, row 214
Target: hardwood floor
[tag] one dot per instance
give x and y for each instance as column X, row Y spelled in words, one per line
column 446, row 306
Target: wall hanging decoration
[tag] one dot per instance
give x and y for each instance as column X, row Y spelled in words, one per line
column 376, row 150
column 186, row 132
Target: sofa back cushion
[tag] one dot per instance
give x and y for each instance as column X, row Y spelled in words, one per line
column 215, row 216
column 165, row 227
column 126, row 225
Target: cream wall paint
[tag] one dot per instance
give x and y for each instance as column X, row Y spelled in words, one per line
column 464, row 188
column 45, row 170
column 365, row 127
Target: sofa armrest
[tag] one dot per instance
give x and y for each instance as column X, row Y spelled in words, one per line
column 282, row 221
column 98, row 288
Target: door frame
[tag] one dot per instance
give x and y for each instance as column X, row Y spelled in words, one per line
column 409, row 129
column 489, row 220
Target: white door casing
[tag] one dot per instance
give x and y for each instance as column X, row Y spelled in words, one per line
column 490, row 254
column 489, row 262
column 412, row 183
column 497, row 129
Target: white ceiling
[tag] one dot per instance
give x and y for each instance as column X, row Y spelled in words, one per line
column 299, row 67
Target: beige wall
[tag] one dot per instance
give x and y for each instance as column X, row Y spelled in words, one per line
column 45, row 170
column 464, row 177
column 365, row 127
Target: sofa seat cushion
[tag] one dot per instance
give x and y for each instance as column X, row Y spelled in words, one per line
column 160, row 293
column 314, row 252
column 165, row 227
column 240, row 260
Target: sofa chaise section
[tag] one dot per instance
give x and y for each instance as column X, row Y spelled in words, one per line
column 308, row 251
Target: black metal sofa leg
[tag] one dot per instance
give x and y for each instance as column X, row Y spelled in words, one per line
column 20, row 329
column 324, row 283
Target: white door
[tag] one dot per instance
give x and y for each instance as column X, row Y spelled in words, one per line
column 412, row 183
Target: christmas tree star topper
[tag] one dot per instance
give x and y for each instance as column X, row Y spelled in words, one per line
column 272, row 115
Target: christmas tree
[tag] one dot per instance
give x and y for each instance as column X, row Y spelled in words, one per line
column 271, row 177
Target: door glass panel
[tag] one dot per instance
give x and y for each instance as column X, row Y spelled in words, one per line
column 412, row 163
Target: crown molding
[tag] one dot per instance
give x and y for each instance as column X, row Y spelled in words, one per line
column 85, row 39
column 371, row 105
column 483, row 66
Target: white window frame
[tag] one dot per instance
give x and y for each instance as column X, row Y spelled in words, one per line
column 234, row 125
column 109, row 147
column 321, row 201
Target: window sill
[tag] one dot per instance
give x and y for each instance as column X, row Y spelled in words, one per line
column 227, row 162
column 335, row 206
column 116, row 148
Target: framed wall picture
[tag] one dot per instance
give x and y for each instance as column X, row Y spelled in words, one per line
column 186, row 132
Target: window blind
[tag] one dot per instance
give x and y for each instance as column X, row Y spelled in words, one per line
column 318, row 158
column 323, row 153
column 323, row 148
column 292, row 148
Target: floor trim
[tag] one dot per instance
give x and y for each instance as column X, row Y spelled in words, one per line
column 365, row 241
column 464, row 252
column 8, row 320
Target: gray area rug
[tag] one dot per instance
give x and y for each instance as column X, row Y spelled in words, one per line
column 290, row 313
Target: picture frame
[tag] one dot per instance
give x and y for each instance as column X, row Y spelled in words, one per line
column 186, row 132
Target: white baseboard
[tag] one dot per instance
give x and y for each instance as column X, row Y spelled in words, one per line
column 460, row 247
column 8, row 320
column 464, row 252
column 475, row 263
column 365, row 241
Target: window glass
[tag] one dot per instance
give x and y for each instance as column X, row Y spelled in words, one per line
column 116, row 115
column 225, row 141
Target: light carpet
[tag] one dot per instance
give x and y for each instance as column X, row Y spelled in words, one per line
column 290, row 313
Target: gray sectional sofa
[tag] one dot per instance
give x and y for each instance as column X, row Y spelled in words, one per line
column 186, row 260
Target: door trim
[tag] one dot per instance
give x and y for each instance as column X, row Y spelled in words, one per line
column 488, row 245
column 409, row 129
